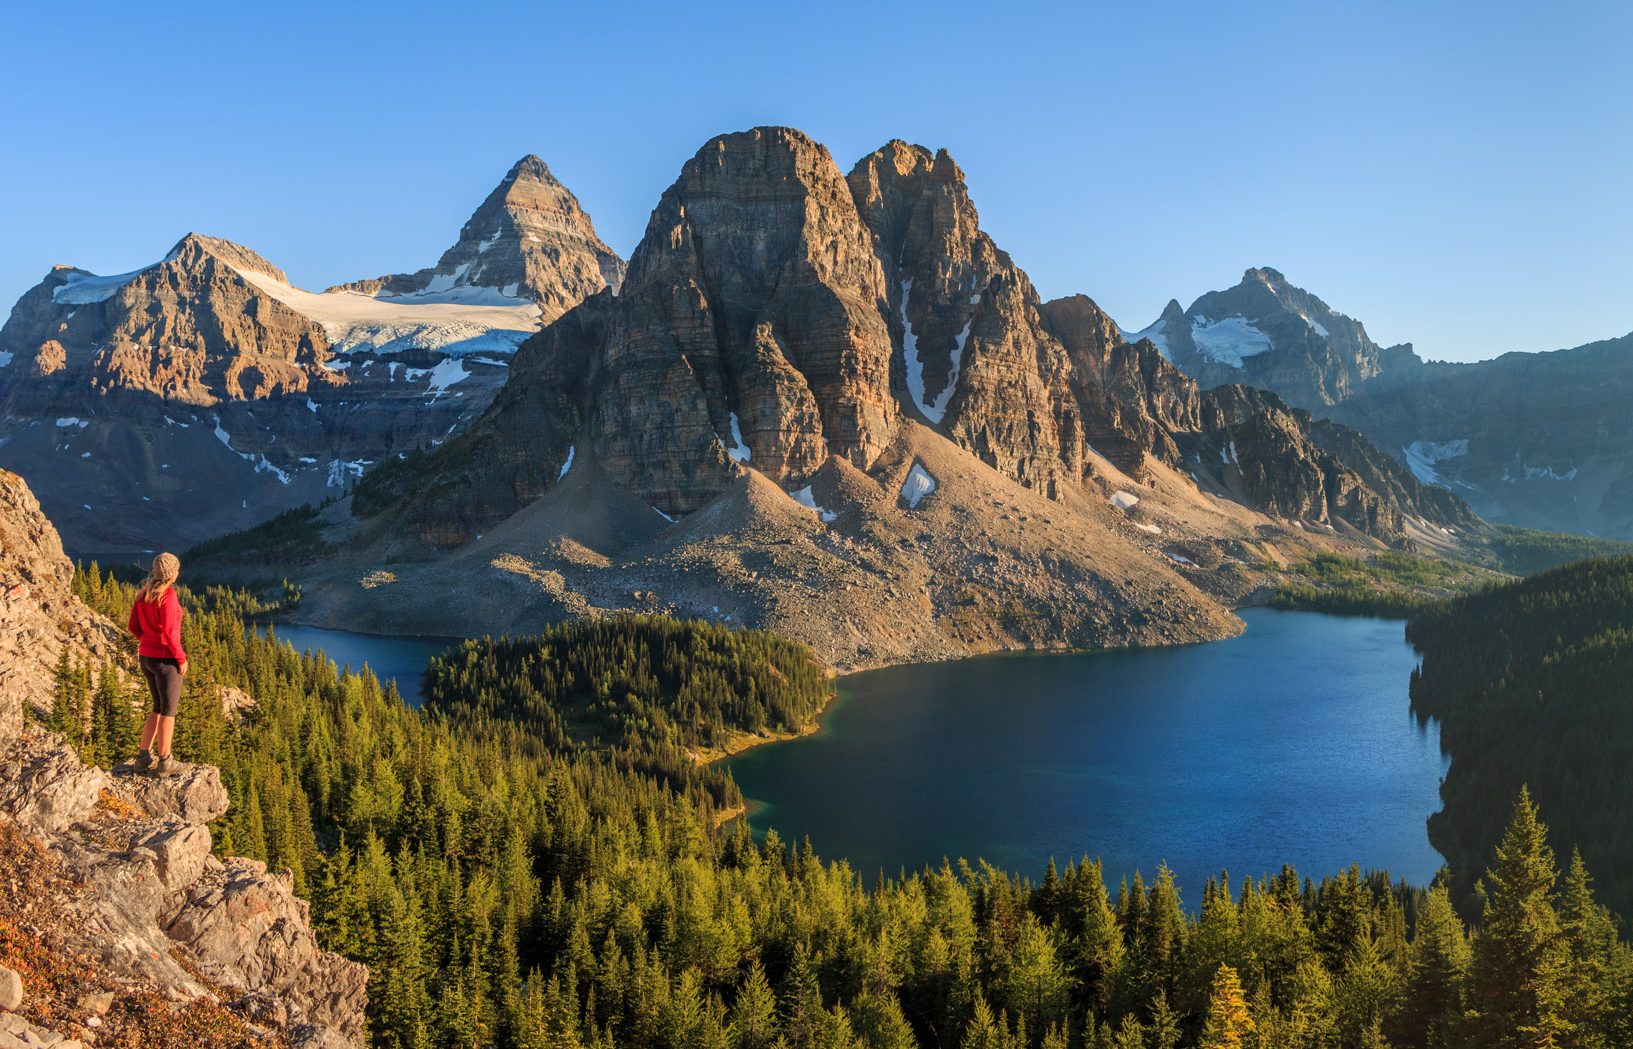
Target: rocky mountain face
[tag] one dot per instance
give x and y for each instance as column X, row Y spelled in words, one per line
column 39, row 614
column 1266, row 332
column 204, row 393
column 777, row 313
column 190, row 329
column 529, row 239
column 111, row 876
column 1537, row 439
column 785, row 322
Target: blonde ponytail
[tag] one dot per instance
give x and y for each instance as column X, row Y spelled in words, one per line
column 166, row 567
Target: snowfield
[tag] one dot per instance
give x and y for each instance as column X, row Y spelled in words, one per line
column 455, row 320
column 1229, row 341
column 1423, row 456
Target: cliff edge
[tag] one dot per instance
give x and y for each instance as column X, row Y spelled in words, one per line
column 118, row 925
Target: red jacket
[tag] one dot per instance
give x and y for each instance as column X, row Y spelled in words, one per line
column 157, row 625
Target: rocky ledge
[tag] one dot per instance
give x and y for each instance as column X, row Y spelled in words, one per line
column 118, row 926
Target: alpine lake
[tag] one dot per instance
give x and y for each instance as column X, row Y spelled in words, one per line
column 1292, row 743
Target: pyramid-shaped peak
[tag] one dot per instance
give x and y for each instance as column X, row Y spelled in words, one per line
column 530, row 168
column 528, row 239
column 193, row 248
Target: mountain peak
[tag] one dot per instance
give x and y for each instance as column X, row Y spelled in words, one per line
column 1263, row 275
column 195, row 247
column 528, row 239
column 531, row 167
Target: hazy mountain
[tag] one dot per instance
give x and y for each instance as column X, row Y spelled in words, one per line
column 1537, row 439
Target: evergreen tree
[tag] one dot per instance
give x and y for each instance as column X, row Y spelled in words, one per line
column 753, row 1018
column 117, row 725
column 1518, row 975
column 1600, row 968
column 1228, row 1024
column 1437, row 965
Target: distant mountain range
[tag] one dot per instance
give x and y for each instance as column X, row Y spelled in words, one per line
column 1543, row 440
column 202, row 393
column 804, row 384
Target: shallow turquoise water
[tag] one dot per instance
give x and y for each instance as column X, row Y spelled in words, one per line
column 1292, row 743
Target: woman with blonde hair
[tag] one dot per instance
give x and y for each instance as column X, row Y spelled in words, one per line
column 155, row 619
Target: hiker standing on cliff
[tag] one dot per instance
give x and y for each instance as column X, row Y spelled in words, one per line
column 155, row 619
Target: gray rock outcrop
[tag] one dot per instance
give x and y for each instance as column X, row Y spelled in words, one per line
column 39, row 614
column 139, row 893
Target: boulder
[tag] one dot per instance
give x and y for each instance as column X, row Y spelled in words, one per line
column 191, row 793
column 45, row 787
column 250, row 932
column 11, row 990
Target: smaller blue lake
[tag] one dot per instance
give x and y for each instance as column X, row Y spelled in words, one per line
column 400, row 659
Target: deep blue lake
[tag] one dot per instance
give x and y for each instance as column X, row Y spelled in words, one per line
column 401, row 659
column 1292, row 743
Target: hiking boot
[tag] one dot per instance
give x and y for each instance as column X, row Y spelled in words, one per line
column 163, row 765
column 144, row 760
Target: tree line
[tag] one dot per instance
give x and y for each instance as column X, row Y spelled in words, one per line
column 523, row 887
column 1532, row 683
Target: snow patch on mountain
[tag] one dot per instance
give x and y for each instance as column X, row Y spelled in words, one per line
column 807, row 500
column 1154, row 333
column 934, row 410
column 1423, row 456
column 1123, row 500
column 81, row 287
column 919, row 483
column 567, row 464
column 341, row 470
column 738, row 450
column 1229, row 341
column 1520, row 472
column 261, row 462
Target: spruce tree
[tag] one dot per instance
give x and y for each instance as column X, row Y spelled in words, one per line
column 1437, row 966
column 1600, row 965
column 1518, row 975
column 1228, row 1024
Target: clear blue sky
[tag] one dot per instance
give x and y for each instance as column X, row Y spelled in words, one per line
column 1454, row 174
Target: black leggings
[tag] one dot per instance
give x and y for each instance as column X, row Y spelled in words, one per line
column 164, row 681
